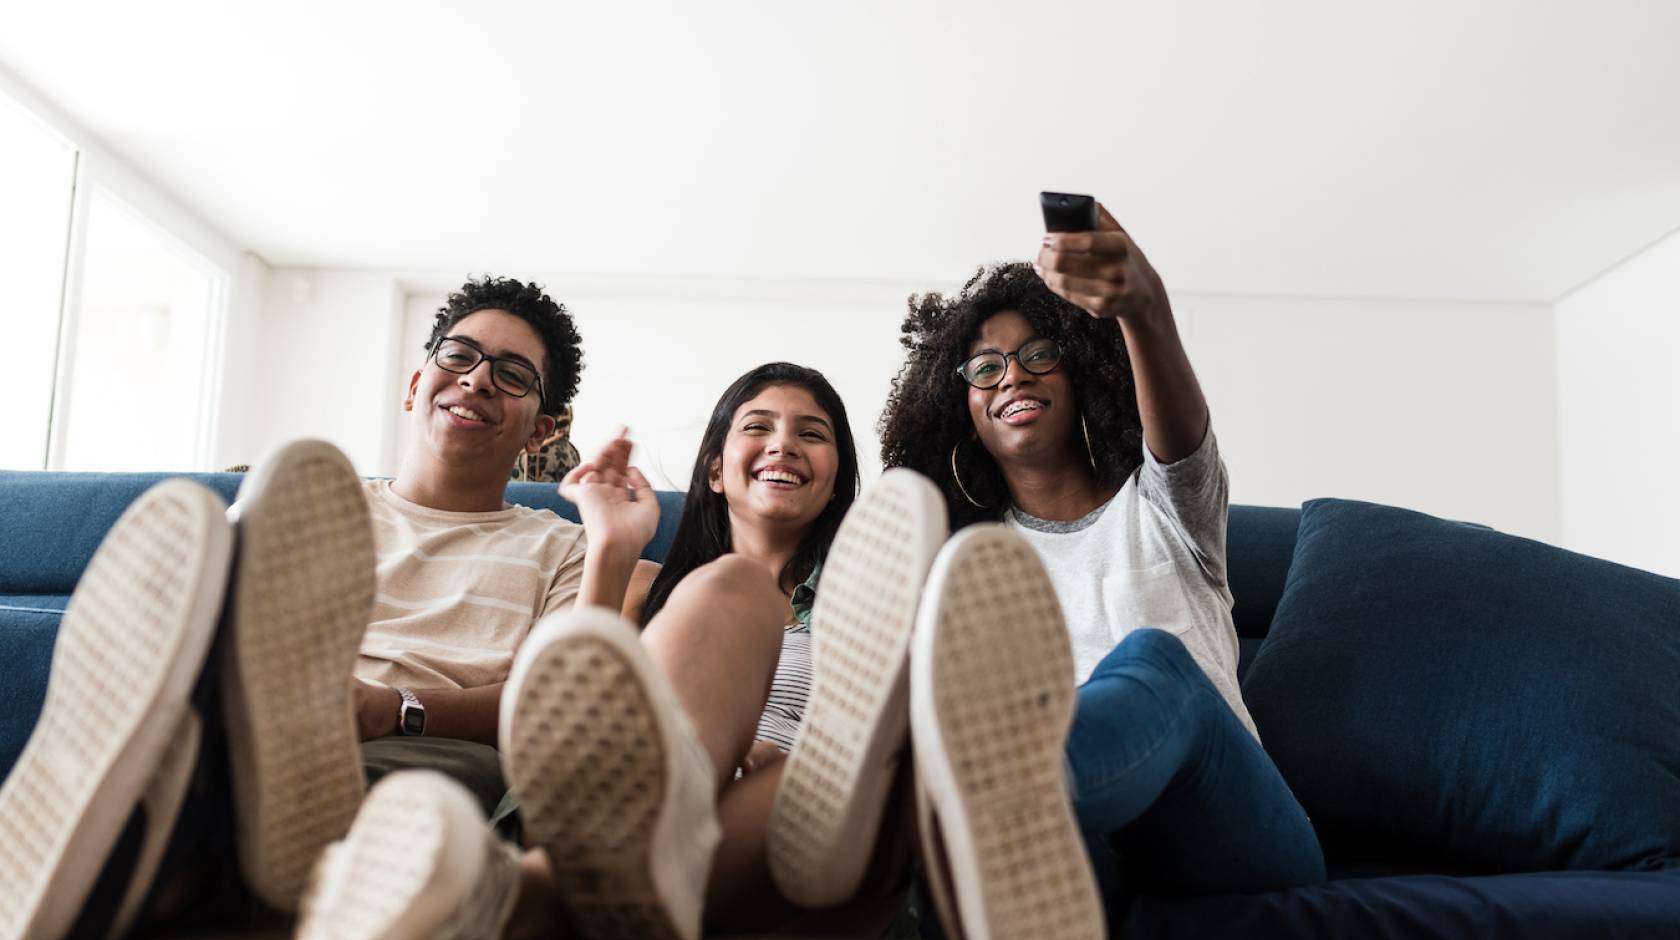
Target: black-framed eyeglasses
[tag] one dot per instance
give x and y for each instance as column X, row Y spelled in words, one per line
column 986, row 370
column 460, row 356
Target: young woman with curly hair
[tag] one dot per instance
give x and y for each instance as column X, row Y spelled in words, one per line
column 1056, row 402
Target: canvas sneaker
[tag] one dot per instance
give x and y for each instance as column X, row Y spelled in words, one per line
column 420, row 861
column 827, row 813
column 130, row 650
column 991, row 702
column 611, row 777
column 301, row 596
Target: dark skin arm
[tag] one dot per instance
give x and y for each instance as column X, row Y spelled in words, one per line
column 1105, row 274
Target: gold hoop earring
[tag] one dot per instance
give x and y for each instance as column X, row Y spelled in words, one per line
column 1090, row 454
column 958, row 478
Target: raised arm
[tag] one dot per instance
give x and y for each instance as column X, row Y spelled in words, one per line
column 1105, row 274
column 620, row 516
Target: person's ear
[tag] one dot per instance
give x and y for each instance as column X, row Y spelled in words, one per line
column 539, row 434
column 714, row 475
column 413, row 384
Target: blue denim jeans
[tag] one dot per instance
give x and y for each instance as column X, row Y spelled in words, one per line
column 1172, row 792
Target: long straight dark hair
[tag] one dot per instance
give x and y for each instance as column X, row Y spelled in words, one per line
column 703, row 534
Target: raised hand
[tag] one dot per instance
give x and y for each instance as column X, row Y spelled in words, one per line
column 614, row 499
column 1102, row 272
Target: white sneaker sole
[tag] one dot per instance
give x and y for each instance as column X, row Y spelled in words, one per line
column 420, row 861
column 301, row 598
column 827, row 813
column 130, row 648
column 992, row 699
column 590, row 732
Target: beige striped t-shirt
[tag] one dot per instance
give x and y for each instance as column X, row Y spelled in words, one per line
column 456, row 592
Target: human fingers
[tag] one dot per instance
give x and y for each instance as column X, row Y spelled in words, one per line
column 1082, row 264
column 576, row 473
column 614, row 454
column 1099, row 243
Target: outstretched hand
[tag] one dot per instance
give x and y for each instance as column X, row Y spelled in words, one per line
column 1102, row 272
column 615, row 502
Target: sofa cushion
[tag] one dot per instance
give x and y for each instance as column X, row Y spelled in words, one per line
column 1259, row 544
column 1490, row 907
column 1435, row 690
column 28, row 629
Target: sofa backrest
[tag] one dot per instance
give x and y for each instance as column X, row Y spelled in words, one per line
column 51, row 523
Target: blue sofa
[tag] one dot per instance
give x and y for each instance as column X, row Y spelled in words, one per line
column 52, row 522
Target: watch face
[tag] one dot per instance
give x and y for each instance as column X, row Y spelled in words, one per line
column 413, row 721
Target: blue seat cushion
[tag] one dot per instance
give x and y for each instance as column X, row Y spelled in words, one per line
column 1412, row 907
column 28, row 631
column 1438, row 691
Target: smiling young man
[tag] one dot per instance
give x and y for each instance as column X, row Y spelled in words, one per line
column 461, row 575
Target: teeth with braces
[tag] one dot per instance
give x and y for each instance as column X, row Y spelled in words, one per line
column 1016, row 408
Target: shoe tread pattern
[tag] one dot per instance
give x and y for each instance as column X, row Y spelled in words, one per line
column 389, row 858
column 591, row 779
column 125, row 624
column 303, row 598
column 1004, row 709
column 833, row 789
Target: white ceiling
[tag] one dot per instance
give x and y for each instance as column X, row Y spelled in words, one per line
column 1499, row 150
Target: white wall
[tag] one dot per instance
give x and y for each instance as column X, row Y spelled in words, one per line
column 1619, row 398
column 325, row 353
column 1450, row 408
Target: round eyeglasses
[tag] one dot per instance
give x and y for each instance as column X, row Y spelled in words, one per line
column 986, row 370
column 461, row 356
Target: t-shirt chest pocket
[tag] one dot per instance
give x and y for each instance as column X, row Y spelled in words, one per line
column 1146, row 597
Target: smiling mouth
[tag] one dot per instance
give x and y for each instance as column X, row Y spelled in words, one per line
column 779, row 477
column 1020, row 406
column 466, row 414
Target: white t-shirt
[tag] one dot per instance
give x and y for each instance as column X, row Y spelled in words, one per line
column 457, row 592
column 1153, row 556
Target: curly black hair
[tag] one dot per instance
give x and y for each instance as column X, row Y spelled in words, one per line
column 927, row 411
column 559, row 334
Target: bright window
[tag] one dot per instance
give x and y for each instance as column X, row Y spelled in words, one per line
column 142, row 350
column 37, row 180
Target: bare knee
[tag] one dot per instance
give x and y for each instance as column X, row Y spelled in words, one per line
column 730, row 592
column 737, row 584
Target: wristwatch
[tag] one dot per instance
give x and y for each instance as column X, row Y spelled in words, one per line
column 411, row 717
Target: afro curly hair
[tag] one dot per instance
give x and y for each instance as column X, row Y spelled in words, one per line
column 927, row 411
column 553, row 324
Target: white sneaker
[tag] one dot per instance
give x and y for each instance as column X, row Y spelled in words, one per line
column 611, row 778
column 130, row 648
column 299, row 604
column 991, row 702
column 827, row 813
column 420, row 861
